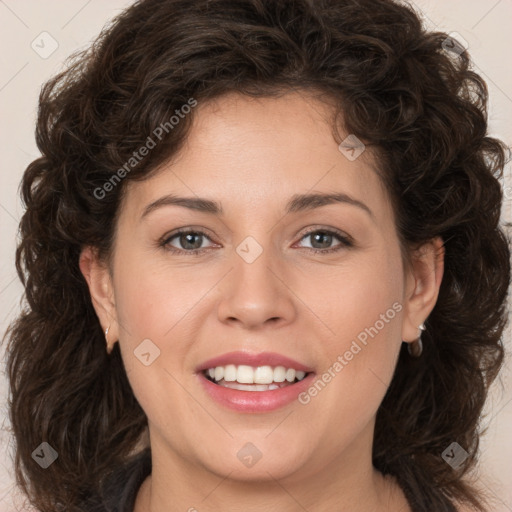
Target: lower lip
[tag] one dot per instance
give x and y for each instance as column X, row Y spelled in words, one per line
column 255, row 401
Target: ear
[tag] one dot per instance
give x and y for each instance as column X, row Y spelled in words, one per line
column 99, row 280
column 422, row 283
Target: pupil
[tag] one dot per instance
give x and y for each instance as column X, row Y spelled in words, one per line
column 186, row 237
column 323, row 235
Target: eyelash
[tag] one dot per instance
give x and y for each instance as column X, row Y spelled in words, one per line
column 346, row 242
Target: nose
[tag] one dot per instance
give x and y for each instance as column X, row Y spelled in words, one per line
column 258, row 293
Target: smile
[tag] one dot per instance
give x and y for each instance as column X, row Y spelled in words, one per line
column 248, row 378
column 253, row 383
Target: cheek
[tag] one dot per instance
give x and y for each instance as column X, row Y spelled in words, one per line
column 152, row 306
column 360, row 357
column 361, row 300
column 358, row 361
column 152, row 300
column 162, row 305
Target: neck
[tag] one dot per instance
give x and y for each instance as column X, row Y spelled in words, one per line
column 346, row 484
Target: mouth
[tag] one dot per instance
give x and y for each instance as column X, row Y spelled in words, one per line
column 256, row 379
column 254, row 383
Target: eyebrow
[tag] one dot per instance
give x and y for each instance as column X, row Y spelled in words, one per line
column 297, row 203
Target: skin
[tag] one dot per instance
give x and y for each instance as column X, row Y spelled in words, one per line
column 252, row 155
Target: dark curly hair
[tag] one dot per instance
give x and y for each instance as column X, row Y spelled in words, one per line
column 394, row 86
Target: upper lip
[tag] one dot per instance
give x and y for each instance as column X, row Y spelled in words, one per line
column 251, row 359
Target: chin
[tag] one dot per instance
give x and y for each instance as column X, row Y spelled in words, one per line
column 252, row 461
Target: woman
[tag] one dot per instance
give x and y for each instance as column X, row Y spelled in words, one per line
column 262, row 263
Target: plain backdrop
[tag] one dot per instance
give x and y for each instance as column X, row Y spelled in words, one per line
column 36, row 37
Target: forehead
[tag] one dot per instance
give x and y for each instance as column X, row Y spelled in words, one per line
column 249, row 152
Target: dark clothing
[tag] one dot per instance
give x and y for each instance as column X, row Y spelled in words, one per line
column 120, row 489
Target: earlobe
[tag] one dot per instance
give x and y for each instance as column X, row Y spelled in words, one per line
column 422, row 285
column 99, row 281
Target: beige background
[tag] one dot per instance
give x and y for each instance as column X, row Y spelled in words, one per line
column 484, row 24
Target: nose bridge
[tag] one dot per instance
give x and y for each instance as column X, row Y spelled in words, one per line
column 256, row 292
column 255, row 264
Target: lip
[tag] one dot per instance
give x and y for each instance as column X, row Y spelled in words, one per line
column 254, row 401
column 246, row 358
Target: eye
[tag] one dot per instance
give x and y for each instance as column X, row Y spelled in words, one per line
column 190, row 241
column 321, row 240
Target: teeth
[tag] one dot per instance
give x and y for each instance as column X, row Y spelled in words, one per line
column 230, row 373
column 299, row 374
column 264, row 375
column 261, row 375
column 244, row 375
column 280, row 373
column 219, row 373
column 249, row 387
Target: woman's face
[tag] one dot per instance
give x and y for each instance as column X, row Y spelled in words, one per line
column 259, row 289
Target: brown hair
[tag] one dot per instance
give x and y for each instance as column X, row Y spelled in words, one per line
column 396, row 87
